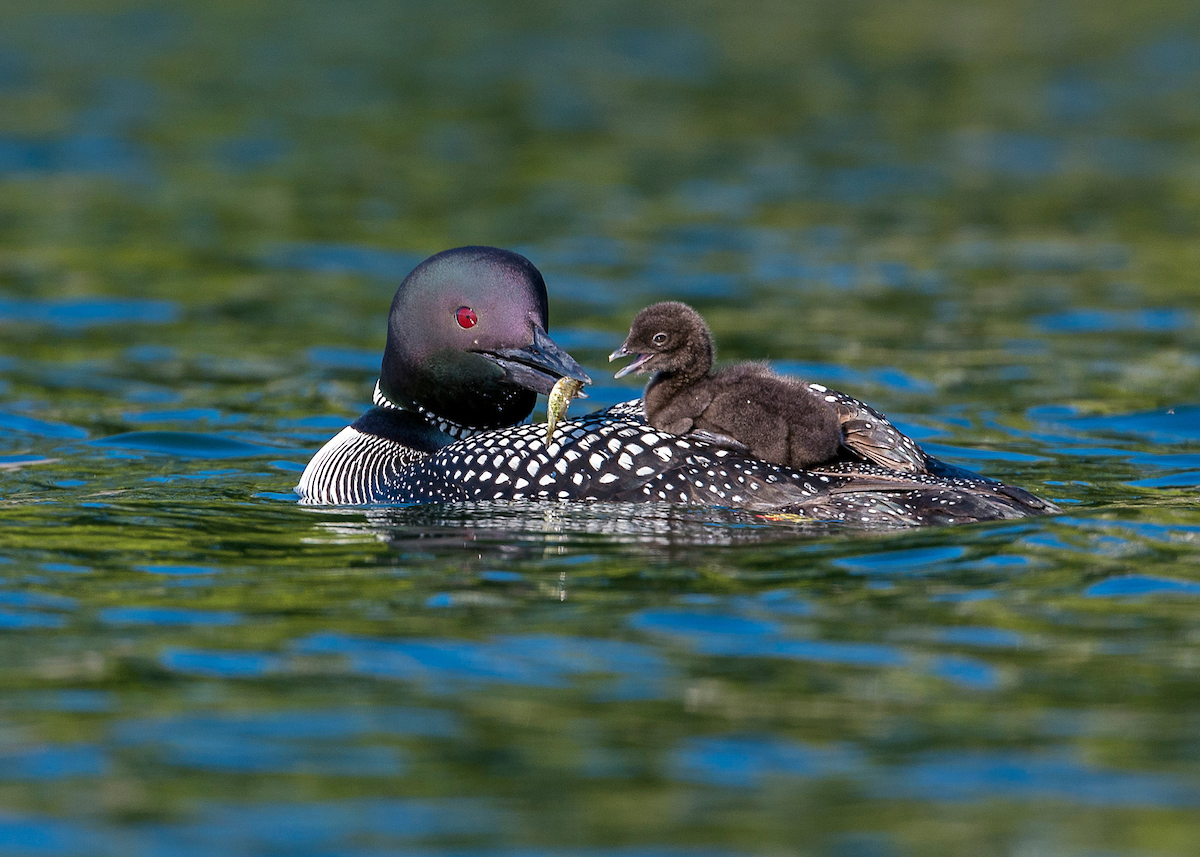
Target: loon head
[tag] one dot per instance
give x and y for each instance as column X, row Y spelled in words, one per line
column 668, row 338
column 467, row 339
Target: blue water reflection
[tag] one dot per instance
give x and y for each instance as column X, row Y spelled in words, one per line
column 983, row 637
column 387, row 265
column 1112, row 321
column 1190, row 479
column 1017, row 775
column 712, row 633
column 66, row 567
column 176, row 569
column 40, row 427
column 52, row 762
column 962, row 776
column 80, row 313
column 723, row 634
column 179, row 415
column 16, row 620
column 43, row 600
column 833, row 375
column 185, row 445
column 52, row 837
column 530, row 660
column 352, row 359
column 327, row 743
column 915, row 560
column 167, row 616
column 1172, row 425
column 322, row 827
column 252, row 152
column 1138, row 585
column 220, row 664
column 87, row 701
column 966, row 672
column 103, row 154
column 289, row 725
column 747, row 761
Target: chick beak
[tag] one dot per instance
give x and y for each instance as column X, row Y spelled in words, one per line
column 636, row 365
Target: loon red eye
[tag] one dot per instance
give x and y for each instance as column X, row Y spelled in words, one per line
column 466, row 318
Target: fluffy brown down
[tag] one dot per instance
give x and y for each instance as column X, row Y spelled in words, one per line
column 777, row 418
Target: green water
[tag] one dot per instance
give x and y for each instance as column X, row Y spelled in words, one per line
column 982, row 219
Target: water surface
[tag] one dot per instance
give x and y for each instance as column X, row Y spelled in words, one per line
column 982, row 221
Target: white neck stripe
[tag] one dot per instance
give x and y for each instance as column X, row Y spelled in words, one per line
column 443, row 425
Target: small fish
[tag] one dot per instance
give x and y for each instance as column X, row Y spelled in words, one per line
column 565, row 389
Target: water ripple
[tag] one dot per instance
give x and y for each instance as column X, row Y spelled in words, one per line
column 185, row 445
column 79, row 313
column 747, row 761
column 53, row 762
column 713, row 633
column 963, row 777
column 530, row 660
column 167, row 616
column 1139, row 585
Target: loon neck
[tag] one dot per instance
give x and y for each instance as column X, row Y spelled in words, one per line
column 683, row 376
column 689, row 363
column 456, row 431
column 665, row 386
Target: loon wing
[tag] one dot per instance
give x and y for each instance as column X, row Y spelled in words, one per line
column 869, row 434
column 874, row 494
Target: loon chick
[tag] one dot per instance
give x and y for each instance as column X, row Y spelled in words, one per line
column 467, row 352
column 777, row 419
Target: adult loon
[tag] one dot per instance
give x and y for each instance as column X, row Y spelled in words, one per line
column 467, row 352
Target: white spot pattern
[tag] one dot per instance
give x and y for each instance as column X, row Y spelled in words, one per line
column 614, row 455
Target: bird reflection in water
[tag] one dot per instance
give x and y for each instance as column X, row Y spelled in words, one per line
column 530, row 529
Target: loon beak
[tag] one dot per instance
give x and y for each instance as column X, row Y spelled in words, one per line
column 539, row 365
column 641, row 361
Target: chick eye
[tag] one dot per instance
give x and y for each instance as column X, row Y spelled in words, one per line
column 466, row 318
column 659, row 339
